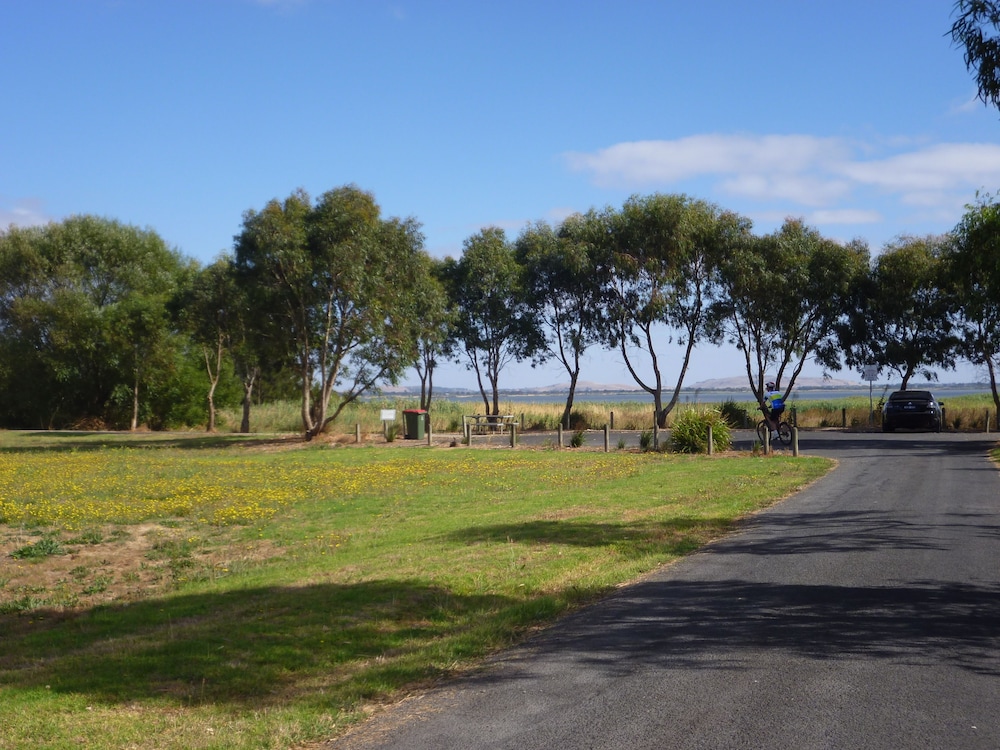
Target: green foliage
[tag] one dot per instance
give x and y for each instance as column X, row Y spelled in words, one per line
column 85, row 325
column 563, row 279
column 578, row 439
column 689, row 433
column 42, row 548
column 663, row 252
column 341, row 283
column 903, row 318
column 646, row 440
column 495, row 322
column 736, row 414
column 975, row 30
column 784, row 297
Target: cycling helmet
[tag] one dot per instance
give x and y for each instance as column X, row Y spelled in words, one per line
column 770, row 385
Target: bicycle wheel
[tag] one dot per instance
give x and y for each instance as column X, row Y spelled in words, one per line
column 785, row 433
column 762, row 431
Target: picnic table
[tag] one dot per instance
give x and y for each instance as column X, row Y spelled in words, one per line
column 481, row 424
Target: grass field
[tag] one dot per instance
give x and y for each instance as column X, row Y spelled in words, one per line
column 188, row 591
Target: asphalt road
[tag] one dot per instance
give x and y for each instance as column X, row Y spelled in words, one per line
column 862, row 613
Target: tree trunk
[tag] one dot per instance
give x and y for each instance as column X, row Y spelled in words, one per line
column 427, row 389
column 993, row 387
column 135, row 404
column 248, row 385
column 213, row 379
column 211, row 408
column 245, row 421
column 660, row 415
column 568, row 411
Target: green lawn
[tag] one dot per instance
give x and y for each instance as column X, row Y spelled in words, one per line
column 191, row 592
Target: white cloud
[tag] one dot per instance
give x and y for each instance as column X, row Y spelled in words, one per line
column 944, row 166
column 967, row 106
column 559, row 214
column 844, row 216
column 802, row 189
column 645, row 162
column 837, row 180
column 26, row 212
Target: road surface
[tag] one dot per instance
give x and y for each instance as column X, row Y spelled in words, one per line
column 862, row 613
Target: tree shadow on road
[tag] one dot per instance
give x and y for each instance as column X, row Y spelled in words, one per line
column 721, row 625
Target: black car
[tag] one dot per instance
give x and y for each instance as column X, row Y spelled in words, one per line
column 916, row 409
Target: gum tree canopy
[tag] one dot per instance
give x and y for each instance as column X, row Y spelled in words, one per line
column 338, row 282
column 975, row 29
column 85, row 334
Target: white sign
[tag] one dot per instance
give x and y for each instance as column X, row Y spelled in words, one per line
column 388, row 415
column 870, row 372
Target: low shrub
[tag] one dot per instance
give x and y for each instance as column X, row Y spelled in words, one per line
column 735, row 414
column 41, row 548
column 645, row 440
column 689, row 433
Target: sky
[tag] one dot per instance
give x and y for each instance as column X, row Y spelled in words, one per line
column 858, row 117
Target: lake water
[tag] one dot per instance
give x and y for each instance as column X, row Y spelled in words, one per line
column 942, row 392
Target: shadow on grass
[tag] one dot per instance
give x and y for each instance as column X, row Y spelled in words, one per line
column 252, row 647
column 672, row 537
column 261, row 647
column 56, row 442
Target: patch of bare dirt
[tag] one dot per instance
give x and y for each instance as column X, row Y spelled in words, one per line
column 115, row 564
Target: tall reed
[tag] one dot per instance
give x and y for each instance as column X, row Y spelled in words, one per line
column 961, row 413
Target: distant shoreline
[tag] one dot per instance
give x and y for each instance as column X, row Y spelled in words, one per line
column 699, row 395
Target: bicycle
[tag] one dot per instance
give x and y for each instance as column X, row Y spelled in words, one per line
column 784, row 432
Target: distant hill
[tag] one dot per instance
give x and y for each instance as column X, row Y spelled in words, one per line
column 735, row 383
column 738, row 383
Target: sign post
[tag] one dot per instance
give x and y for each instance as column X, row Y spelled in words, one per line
column 388, row 415
column 870, row 373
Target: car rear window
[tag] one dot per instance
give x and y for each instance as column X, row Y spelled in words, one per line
column 911, row 396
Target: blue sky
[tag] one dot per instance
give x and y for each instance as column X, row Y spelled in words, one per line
column 180, row 115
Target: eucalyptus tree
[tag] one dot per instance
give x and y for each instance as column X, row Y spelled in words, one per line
column 215, row 311
column 904, row 319
column 202, row 309
column 339, row 281
column 661, row 253
column 435, row 338
column 495, row 323
column 785, row 298
column 85, row 333
column 973, row 259
column 563, row 283
column 975, row 29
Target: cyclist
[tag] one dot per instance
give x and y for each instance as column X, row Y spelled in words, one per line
column 776, row 406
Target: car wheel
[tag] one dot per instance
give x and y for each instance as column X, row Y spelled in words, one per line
column 887, row 427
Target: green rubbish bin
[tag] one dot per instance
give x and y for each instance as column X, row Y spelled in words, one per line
column 413, row 423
